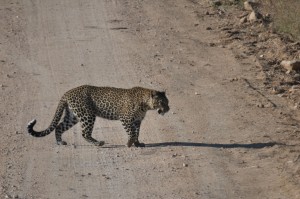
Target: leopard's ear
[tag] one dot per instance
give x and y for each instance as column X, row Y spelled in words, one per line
column 156, row 94
column 162, row 94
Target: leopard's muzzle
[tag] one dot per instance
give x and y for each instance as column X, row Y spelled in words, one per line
column 163, row 110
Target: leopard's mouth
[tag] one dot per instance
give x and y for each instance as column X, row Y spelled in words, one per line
column 160, row 111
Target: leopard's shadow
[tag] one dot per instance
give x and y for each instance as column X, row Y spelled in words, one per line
column 197, row 144
column 215, row 145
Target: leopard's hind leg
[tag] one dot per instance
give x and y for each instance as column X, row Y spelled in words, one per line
column 69, row 121
column 87, row 124
column 85, row 112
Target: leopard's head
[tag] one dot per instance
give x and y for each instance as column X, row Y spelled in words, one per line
column 160, row 102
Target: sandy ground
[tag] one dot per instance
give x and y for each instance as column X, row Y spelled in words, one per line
column 224, row 137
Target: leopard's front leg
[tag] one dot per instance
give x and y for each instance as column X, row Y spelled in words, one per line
column 133, row 130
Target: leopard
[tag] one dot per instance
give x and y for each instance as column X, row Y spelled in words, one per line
column 84, row 103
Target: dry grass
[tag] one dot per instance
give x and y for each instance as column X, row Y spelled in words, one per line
column 286, row 16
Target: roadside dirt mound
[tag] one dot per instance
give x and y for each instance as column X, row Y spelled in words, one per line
column 256, row 40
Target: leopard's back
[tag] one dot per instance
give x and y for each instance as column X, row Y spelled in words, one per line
column 106, row 102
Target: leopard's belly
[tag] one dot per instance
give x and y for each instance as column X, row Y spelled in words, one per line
column 108, row 114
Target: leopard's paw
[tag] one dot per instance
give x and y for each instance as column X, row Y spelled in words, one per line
column 139, row 144
column 61, row 142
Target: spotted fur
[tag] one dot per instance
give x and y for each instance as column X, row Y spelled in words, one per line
column 84, row 103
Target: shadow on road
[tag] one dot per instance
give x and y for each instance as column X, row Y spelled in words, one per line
column 194, row 144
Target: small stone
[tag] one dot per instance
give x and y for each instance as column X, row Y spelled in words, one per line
column 282, row 95
column 234, row 79
column 243, row 20
column 242, row 162
column 291, row 65
column 294, row 88
column 295, row 107
column 260, row 105
column 216, row 2
column 254, row 16
column 185, row 165
column 277, row 90
column 197, row 93
column 297, row 75
column 248, row 6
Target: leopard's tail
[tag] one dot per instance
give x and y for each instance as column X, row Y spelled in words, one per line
column 59, row 111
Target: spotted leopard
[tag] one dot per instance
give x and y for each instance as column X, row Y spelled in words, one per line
column 83, row 104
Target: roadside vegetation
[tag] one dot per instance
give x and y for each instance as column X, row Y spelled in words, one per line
column 285, row 15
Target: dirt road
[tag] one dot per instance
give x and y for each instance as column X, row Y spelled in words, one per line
column 216, row 142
